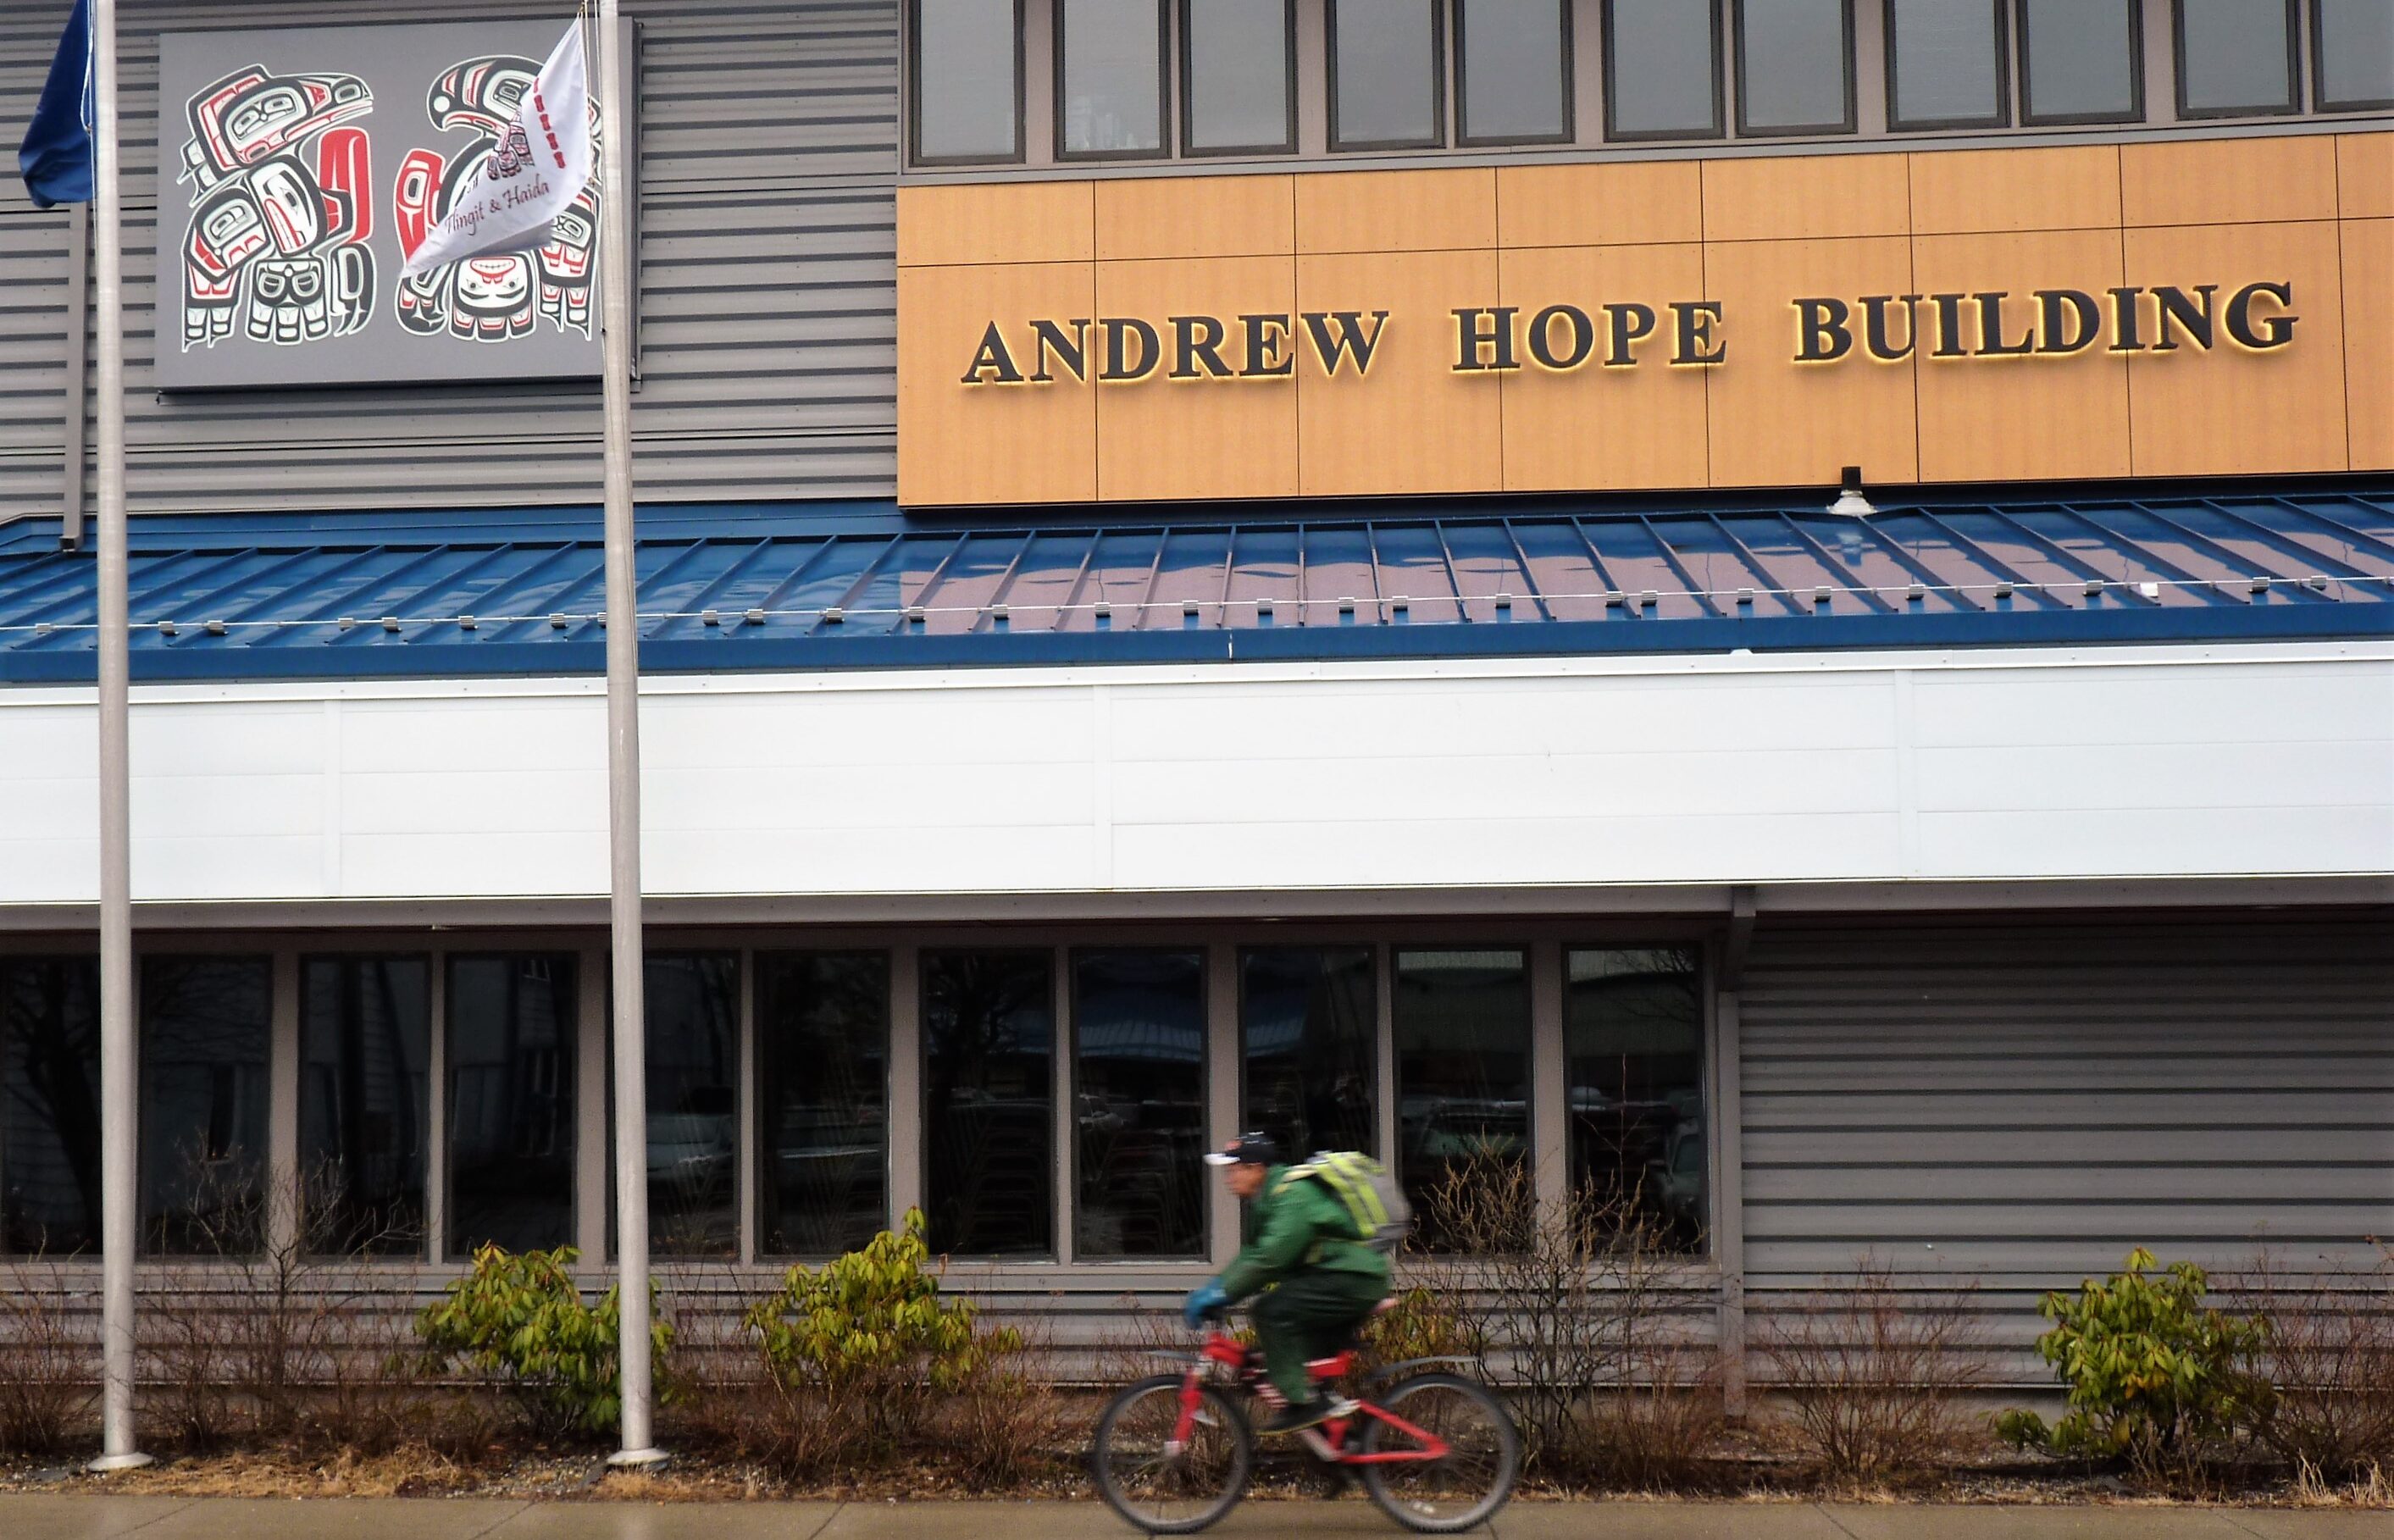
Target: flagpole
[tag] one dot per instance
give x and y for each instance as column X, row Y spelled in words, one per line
column 624, row 759
column 118, row 1101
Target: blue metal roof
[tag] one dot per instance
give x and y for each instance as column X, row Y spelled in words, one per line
column 832, row 585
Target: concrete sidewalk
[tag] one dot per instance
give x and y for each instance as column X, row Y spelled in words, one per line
column 46, row 1517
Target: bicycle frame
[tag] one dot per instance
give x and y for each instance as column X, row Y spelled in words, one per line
column 1328, row 1442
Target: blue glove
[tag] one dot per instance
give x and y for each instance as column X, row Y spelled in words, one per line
column 1203, row 1300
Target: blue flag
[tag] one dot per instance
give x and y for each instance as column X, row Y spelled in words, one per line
column 56, row 158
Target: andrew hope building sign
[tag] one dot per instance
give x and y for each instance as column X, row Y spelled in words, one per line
column 1816, row 329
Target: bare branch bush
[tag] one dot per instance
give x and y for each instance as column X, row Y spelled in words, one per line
column 1572, row 1308
column 1008, row 1424
column 44, row 1367
column 2322, row 1367
column 1875, row 1375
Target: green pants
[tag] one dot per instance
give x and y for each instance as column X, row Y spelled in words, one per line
column 1311, row 1315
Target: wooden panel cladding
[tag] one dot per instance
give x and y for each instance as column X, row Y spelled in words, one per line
column 2277, row 411
column 2228, row 181
column 1414, row 425
column 1797, row 425
column 2076, row 313
column 1161, row 437
column 1971, row 191
column 2364, row 176
column 2039, row 413
column 2369, row 333
column 1602, row 424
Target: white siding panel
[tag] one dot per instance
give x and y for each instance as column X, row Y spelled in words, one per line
column 1431, row 774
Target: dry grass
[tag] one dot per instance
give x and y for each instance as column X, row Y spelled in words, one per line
column 1877, row 1376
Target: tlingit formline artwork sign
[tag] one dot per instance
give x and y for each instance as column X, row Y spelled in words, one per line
column 2255, row 317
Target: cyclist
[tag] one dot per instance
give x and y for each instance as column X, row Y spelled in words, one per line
column 1322, row 1280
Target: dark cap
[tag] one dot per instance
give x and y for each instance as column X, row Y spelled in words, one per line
column 1246, row 1149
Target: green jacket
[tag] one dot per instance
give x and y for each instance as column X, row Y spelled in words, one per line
column 1298, row 1224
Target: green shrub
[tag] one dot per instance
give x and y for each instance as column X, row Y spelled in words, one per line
column 867, row 1343
column 2151, row 1372
column 523, row 1319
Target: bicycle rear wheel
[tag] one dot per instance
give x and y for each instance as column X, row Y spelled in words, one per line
column 1461, row 1491
column 1164, row 1489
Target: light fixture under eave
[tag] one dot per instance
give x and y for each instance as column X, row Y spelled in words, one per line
column 1851, row 501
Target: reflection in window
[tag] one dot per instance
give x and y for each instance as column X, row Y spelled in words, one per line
column 2354, row 44
column 203, row 1046
column 1948, row 62
column 2235, row 57
column 511, row 1034
column 2079, row 61
column 1463, row 1070
column 50, row 1105
column 823, row 1033
column 1110, row 99
column 1792, row 66
column 691, row 1021
column 1385, row 74
column 1511, row 63
column 966, row 88
column 1662, row 69
column 1139, row 1103
column 365, row 1034
column 989, row 1120
column 1235, row 75
column 1308, row 1020
column 1633, row 1045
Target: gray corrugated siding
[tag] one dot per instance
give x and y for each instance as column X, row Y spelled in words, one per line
column 768, row 290
column 2026, row 1104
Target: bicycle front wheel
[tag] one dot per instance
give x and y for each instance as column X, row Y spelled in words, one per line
column 1461, row 1491
column 1163, row 1484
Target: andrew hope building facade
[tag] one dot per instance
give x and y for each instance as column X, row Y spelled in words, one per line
column 1236, row 563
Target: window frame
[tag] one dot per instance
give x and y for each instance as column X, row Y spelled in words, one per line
column 2031, row 118
column 1853, row 90
column 2294, row 72
column 912, row 43
column 1440, row 133
column 2319, row 101
column 1897, row 123
column 1614, row 134
column 1184, row 115
column 1463, row 137
column 1164, row 103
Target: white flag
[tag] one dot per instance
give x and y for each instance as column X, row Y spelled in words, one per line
column 542, row 162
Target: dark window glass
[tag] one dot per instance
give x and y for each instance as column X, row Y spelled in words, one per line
column 1109, row 77
column 1386, row 74
column 1308, row 1019
column 203, row 1043
column 366, row 1031
column 50, row 1105
column 1513, row 62
column 2235, row 57
column 968, row 86
column 1632, row 1042
column 2354, row 40
column 1793, row 67
column 1947, row 57
column 988, row 1103
column 822, row 1033
column 1662, row 69
column 1139, row 1103
column 2080, row 61
column 511, row 1131
column 1462, row 1024
column 1235, row 74
column 691, row 1022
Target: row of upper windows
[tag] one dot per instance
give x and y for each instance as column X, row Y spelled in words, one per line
column 1155, row 79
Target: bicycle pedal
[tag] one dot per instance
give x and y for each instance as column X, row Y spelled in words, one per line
column 1342, row 1406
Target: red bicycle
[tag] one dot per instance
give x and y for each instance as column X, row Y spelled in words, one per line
column 1434, row 1450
